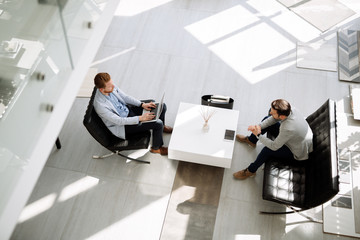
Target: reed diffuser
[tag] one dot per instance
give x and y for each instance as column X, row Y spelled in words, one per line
column 206, row 113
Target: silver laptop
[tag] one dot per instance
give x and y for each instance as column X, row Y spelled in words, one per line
column 157, row 110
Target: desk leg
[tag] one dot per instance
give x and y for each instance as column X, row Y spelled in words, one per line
column 57, row 143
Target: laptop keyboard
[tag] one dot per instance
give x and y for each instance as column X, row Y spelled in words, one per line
column 153, row 110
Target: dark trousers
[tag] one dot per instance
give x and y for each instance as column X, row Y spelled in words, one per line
column 156, row 126
column 266, row 153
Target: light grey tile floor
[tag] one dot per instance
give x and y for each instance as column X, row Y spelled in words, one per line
column 244, row 49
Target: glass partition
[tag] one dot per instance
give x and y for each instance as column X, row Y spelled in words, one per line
column 42, row 55
column 41, row 41
column 34, row 63
column 34, row 67
column 80, row 18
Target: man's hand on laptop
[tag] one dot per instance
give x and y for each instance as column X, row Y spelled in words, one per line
column 149, row 106
column 146, row 117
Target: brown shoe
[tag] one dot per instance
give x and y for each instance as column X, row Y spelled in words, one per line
column 243, row 174
column 244, row 139
column 167, row 129
column 161, row 150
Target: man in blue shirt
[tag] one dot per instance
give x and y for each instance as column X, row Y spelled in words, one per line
column 122, row 114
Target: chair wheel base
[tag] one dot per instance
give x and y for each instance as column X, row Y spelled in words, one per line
column 103, row 156
column 298, row 211
column 121, row 155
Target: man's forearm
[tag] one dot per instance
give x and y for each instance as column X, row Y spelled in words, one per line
column 268, row 122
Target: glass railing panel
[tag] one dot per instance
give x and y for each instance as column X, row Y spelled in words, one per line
column 80, row 18
column 34, row 68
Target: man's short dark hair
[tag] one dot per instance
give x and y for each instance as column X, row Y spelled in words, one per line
column 281, row 106
column 101, row 79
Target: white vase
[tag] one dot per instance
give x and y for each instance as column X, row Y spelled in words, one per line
column 206, row 127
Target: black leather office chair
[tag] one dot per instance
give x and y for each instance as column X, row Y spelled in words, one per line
column 307, row 184
column 102, row 134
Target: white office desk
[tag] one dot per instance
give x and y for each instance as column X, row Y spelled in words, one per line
column 191, row 144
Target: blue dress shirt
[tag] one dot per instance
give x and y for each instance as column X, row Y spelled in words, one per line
column 120, row 107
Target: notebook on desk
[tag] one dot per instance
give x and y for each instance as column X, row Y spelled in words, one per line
column 157, row 110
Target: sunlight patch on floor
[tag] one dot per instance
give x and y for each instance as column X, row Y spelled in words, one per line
column 226, row 35
column 247, row 237
column 253, row 59
column 139, row 224
column 128, row 50
column 221, row 25
column 37, row 207
column 75, row 188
